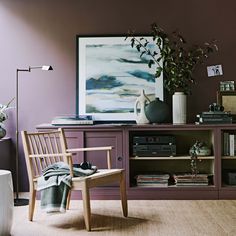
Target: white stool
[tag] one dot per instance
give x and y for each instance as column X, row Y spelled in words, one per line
column 6, row 202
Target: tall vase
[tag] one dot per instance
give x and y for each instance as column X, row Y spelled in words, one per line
column 139, row 108
column 179, row 103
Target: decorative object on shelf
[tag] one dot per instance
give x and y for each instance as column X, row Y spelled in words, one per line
column 3, row 117
column 215, row 115
column 157, row 111
column 215, row 107
column 176, row 60
column 193, row 154
column 21, row 201
column 139, row 108
column 227, row 99
column 227, row 85
column 199, row 148
column 179, row 109
column 72, row 120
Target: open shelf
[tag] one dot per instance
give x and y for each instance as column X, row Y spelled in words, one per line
column 172, row 158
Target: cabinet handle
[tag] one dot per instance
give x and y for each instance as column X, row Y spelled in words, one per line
column 120, row 158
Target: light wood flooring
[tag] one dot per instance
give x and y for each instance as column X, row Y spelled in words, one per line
column 146, row 218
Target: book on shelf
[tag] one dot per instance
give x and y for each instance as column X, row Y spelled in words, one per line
column 229, row 144
column 216, row 120
column 73, row 120
column 165, row 184
column 158, row 180
column 214, row 117
column 216, row 113
column 191, row 180
column 226, row 144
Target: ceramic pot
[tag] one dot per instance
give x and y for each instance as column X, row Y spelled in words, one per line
column 2, row 132
column 157, row 111
column 179, row 106
column 139, row 108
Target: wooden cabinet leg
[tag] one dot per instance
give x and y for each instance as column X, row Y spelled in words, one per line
column 123, row 194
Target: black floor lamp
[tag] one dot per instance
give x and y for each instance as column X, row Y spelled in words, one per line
column 22, row 201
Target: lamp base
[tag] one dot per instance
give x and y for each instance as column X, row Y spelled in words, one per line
column 21, row 202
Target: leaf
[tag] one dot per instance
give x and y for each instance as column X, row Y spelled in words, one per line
column 132, row 42
column 150, row 63
column 143, row 52
column 138, row 47
column 158, row 72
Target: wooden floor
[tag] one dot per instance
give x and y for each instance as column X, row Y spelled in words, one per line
column 146, row 217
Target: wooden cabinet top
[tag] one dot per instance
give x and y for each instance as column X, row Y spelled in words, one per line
column 143, row 127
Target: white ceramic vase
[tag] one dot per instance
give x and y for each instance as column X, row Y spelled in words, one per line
column 139, row 108
column 179, row 108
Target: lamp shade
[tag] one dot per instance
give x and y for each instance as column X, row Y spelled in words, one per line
column 47, row 68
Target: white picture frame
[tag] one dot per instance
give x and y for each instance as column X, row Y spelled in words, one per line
column 110, row 75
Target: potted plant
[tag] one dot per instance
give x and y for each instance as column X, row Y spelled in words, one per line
column 3, row 117
column 174, row 58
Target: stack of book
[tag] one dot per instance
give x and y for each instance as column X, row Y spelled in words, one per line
column 191, row 180
column 214, row 117
column 160, row 180
column 73, row 120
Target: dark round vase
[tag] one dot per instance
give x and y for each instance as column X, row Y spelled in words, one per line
column 157, row 111
column 2, row 132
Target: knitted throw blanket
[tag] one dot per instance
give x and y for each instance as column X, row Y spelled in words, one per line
column 55, row 183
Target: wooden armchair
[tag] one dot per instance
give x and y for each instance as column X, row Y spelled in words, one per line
column 44, row 148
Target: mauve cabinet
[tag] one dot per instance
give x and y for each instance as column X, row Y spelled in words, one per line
column 122, row 137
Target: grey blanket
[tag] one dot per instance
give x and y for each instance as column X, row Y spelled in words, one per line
column 55, row 183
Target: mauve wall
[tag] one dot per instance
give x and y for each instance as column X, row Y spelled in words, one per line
column 43, row 32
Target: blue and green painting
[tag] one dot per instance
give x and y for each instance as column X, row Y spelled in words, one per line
column 115, row 73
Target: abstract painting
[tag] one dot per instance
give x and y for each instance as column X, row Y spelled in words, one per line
column 110, row 76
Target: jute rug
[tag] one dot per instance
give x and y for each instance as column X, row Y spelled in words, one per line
column 146, row 218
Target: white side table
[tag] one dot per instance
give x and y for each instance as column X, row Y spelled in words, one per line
column 6, row 202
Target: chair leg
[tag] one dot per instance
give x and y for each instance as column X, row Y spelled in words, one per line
column 32, row 203
column 68, row 200
column 86, row 204
column 123, row 194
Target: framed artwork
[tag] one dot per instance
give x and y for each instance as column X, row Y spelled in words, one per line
column 110, row 76
column 228, row 100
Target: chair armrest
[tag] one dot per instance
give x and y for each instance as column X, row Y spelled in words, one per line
column 73, row 150
column 107, row 149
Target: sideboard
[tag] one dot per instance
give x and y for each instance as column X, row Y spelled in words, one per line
column 121, row 137
column 6, row 160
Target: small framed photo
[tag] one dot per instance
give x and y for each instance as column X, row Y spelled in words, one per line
column 227, row 86
column 227, row 99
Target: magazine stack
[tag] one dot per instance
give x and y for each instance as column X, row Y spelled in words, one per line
column 191, row 180
column 158, row 180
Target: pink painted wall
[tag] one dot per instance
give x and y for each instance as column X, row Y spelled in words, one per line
column 43, row 32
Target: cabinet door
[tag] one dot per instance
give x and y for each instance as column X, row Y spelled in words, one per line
column 107, row 138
